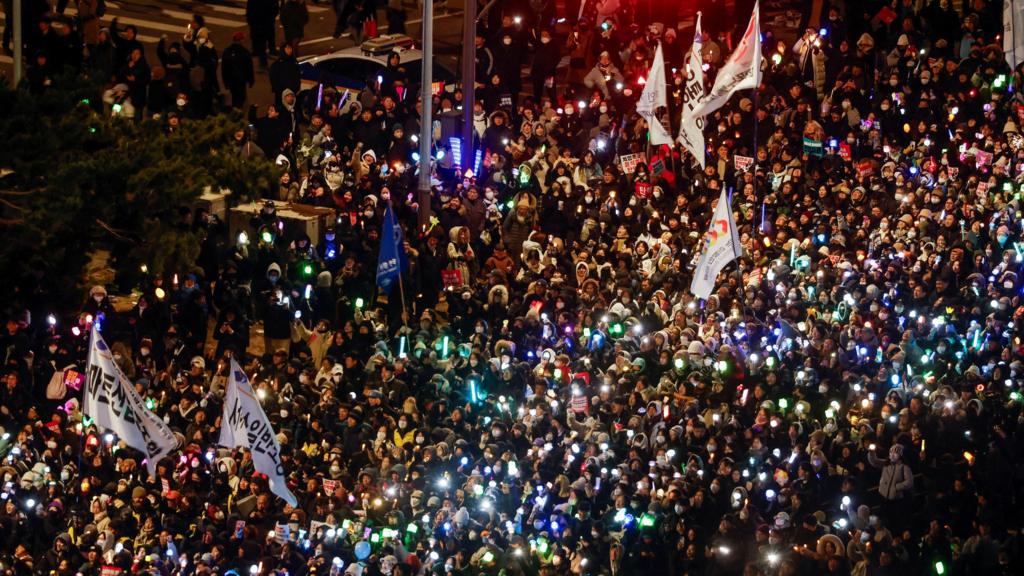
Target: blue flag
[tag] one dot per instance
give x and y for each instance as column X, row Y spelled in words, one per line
column 392, row 260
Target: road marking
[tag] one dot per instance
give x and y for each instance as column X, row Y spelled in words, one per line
column 382, row 28
column 186, row 16
column 309, row 6
column 228, row 9
column 326, row 39
column 138, row 22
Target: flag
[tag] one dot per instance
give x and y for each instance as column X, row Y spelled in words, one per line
column 655, row 95
column 1013, row 22
column 391, row 262
column 691, row 127
column 111, row 400
column 740, row 72
column 721, row 246
column 245, row 425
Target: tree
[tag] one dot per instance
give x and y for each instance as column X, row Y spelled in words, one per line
column 73, row 179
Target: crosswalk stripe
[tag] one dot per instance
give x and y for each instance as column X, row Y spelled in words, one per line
column 187, row 17
column 313, row 8
column 227, row 9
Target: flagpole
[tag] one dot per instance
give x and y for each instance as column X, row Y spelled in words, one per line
column 401, row 286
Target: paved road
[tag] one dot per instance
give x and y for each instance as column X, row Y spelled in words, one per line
column 155, row 18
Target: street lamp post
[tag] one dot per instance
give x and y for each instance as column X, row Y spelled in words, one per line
column 468, row 82
column 426, row 117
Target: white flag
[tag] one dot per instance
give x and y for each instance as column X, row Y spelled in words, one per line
column 655, row 95
column 691, row 127
column 245, row 424
column 111, row 400
column 741, row 71
column 721, row 246
column 1013, row 31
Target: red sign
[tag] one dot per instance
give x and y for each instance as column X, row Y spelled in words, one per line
column 643, row 189
column 865, row 168
column 451, row 278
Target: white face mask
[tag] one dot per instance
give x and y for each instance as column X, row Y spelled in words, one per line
column 544, row 39
column 603, row 109
column 181, row 102
column 506, row 41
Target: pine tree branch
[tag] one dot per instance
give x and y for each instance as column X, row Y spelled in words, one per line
column 119, row 234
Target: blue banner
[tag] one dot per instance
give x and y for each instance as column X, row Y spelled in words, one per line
column 392, row 260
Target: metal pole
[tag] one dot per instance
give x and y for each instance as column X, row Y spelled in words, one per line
column 426, row 118
column 468, row 82
column 16, row 15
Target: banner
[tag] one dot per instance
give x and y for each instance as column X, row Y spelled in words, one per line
column 655, row 95
column 391, row 261
column 721, row 246
column 742, row 71
column 111, row 400
column 244, row 424
column 643, row 189
column 1013, row 22
column 691, row 126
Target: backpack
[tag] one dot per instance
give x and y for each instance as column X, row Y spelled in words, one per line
column 101, row 8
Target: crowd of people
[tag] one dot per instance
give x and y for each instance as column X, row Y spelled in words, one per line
column 541, row 394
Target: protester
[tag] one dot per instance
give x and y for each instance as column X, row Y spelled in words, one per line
column 538, row 391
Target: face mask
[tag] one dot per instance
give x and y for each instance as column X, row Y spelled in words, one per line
column 336, row 378
column 506, row 41
column 603, row 109
column 679, row 508
column 368, row 213
column 715, row 488
column 632, row 201
column 98, row 298
column 181, row 102
column 284, row 413
column 479, row 329
column 712, row 448
column 924, row 81
column 402, row 425
column 588, row 199
column 544, row 40
column 569, row 111
column 335, row 470
column 420, row 439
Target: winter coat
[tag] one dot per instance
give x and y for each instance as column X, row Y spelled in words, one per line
column 90, row 20
column 294, row 16
column 236, row 66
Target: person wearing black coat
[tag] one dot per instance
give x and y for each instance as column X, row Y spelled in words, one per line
column 125, row 40
column 261, row 15
column 236, row 70
column 545, row 62
column 271, row 131
column 284, row 72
